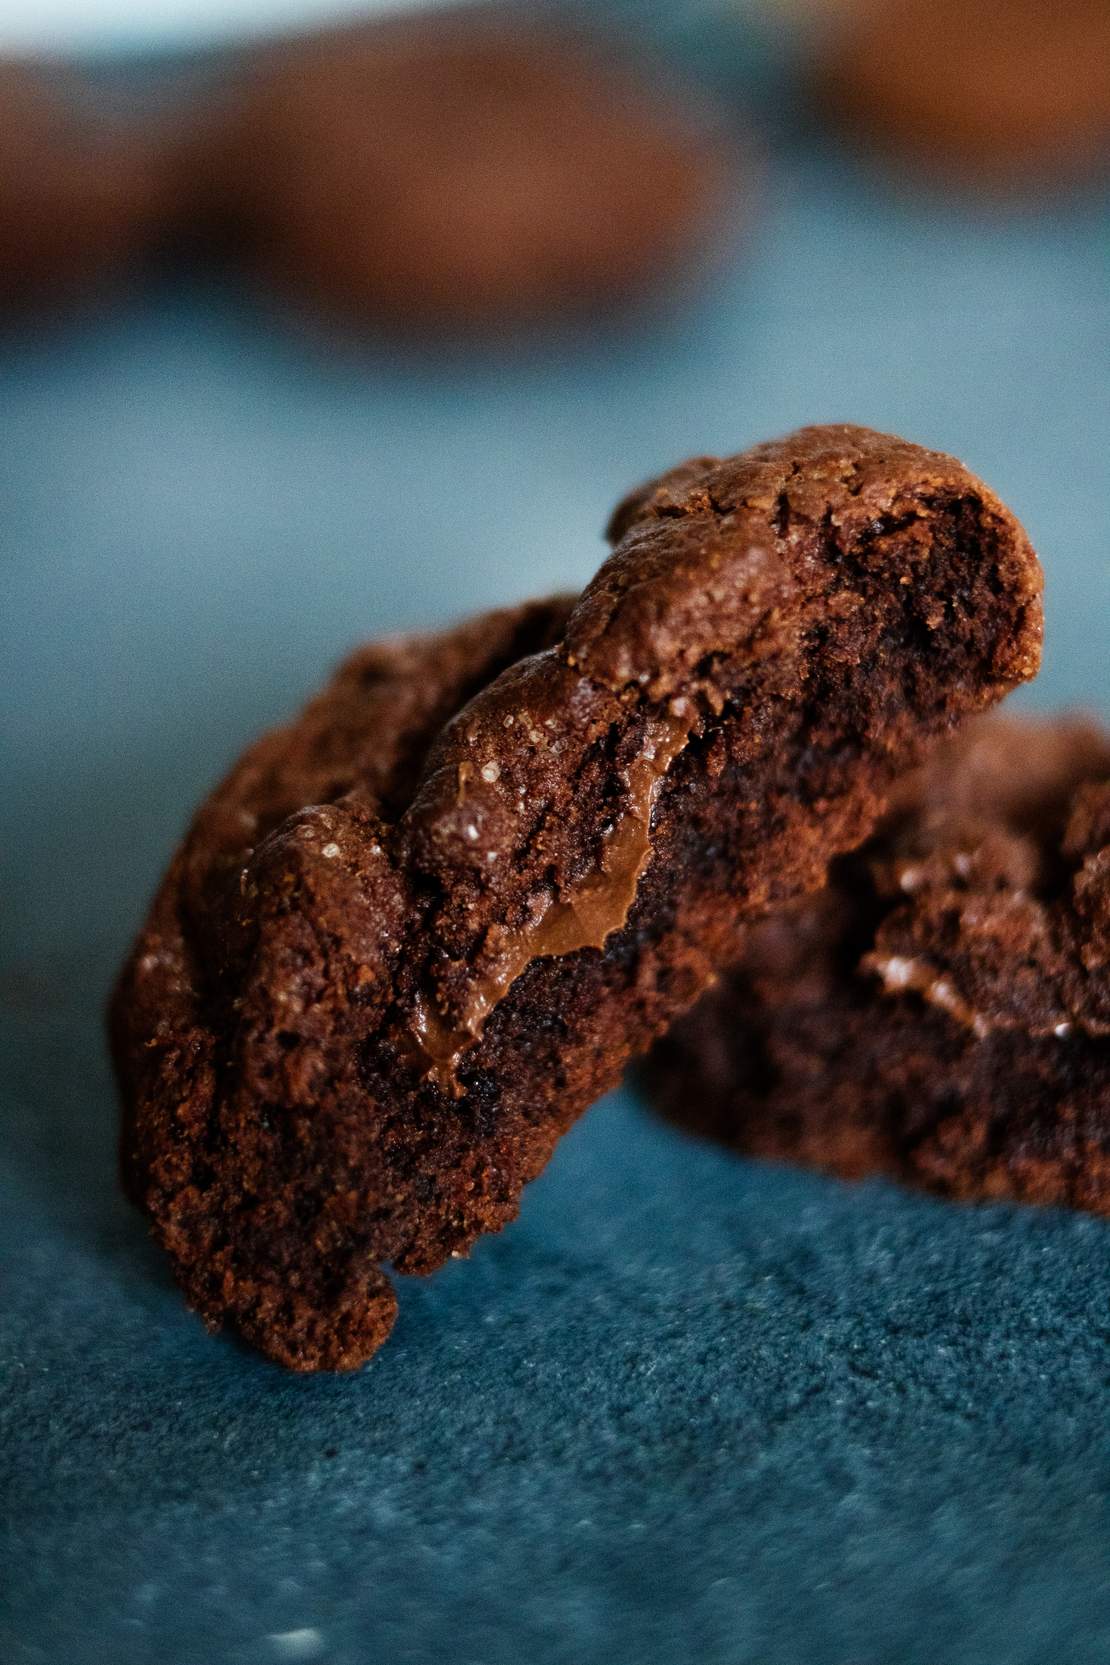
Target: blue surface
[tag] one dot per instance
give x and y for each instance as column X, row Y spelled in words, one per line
column 687, row 1408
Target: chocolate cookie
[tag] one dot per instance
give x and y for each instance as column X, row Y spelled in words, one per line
column 78, row 196
column 397, row 955
column 462, row 170
column 941, row 1013
column 1009, row 94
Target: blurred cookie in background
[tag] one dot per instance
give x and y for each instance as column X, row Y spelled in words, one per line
column 464, row 171
column 80, row 196
column 1010, row 96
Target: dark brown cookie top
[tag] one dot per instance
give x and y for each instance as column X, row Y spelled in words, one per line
column 471, row 169
column 362, row 738
column 369, row 728
column 79, row 196
column 995, row 877
column 372, row 994
column 1007, row 94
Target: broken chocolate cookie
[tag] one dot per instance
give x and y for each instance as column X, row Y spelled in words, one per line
column 941, row 1013
column 418, row 931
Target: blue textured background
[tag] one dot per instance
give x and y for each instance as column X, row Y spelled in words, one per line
column 687, row 1408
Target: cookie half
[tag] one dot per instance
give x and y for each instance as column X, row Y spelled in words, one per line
column 419, row 930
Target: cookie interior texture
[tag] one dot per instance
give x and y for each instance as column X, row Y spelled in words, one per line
column 941, row 1013
column 401, row 950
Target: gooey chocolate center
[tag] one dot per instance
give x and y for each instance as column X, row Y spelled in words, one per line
column 582, row 916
